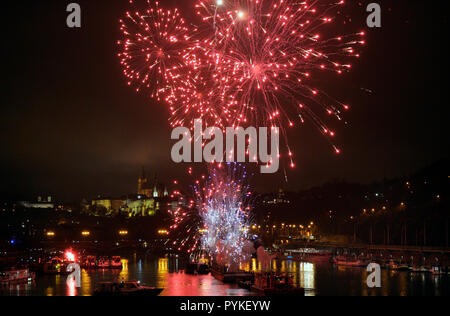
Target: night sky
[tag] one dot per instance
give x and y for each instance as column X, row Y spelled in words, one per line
column 71, row 127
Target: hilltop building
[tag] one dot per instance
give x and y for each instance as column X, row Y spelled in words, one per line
column 150, row 198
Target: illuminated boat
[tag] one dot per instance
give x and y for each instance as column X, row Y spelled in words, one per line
column 438, row 271
column 348, row 262
column 126, row 289
column 16, row 276
column 421, row 269
column 104, row 263
column 116, row 263
column 90, row 262
column 392, row 265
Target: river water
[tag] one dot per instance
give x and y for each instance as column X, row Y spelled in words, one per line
column 318, row 279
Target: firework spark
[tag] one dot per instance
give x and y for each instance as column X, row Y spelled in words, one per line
column 266, row 54
column 217, row 218
column 154, row 42
column 248, row 63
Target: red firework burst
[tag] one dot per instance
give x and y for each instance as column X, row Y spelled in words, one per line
column 266, row 53
column 154, row 42
column 251, row 62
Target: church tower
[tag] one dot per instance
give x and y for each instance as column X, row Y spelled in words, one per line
column 143, row 185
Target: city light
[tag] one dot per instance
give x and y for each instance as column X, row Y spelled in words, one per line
column 163, row 232
column 50, row 234
column 86, row 233
column 123, row 232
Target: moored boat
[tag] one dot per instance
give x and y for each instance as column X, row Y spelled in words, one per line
column 104, row 263
column 437, row 271
column 420, row 269
column 55, row 266
column 116, row 263
column 16, row 276
column 392, row 265
column 90, row 262
column 231, row 277
column 348, row 262
column 269, row 284
column 132, row 288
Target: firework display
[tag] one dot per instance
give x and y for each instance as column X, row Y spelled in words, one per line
column 217, row 217
column 247, row 63
column 154, row 42
column 244, row 63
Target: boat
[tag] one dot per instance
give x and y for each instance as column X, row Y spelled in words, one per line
column 197, row 269
column 116, row 263
column 392, row 265
column 55, row 266
column 231, row 277
column 270, row 284
column 348, row 262
column 131, row 288
column 16, row 276
column 421, row 269
column 90, row 262
column 437, row 271
column 104, row 263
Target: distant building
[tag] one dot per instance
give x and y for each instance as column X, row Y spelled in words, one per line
column 142, row 206
column 151, row 189
column 111, row 205
column 41, row 203
column 151, row 195
column 278, row 199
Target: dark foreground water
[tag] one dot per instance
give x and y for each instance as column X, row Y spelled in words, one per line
column 317, row 279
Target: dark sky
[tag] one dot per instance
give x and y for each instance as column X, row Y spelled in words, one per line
column 70, row 127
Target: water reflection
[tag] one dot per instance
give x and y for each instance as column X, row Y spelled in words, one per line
column 124, row 275
column 71, row 288
column 86, row 283
column 316, row 278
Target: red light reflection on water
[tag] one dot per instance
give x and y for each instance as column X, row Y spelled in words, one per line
column 71, row 288
column 180, row 284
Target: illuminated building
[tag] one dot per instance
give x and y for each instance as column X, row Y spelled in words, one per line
column 150, row 198
column 40, row 204
column 148, row 189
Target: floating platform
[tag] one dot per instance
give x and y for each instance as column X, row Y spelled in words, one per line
column 232, row 277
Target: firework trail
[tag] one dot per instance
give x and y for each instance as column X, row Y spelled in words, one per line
column 217, row 217
column 154, row 42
